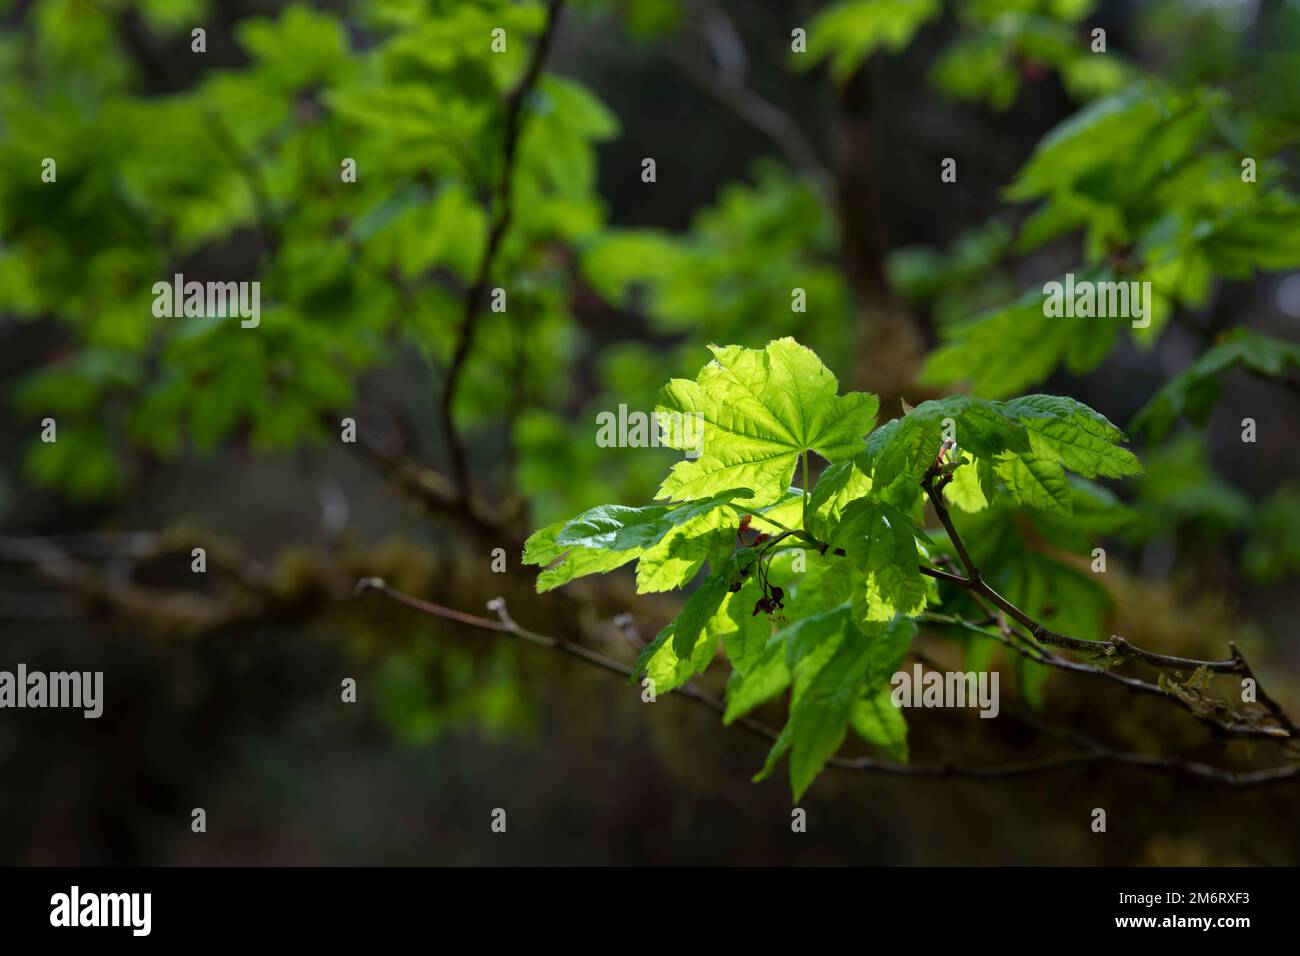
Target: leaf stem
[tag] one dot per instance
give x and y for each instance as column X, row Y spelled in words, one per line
column 762, row 517
column 806, row 494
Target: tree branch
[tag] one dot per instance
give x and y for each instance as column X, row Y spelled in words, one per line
column 433, row 492
column 933, row 483
column 1092, row 754
column 473, row 298
column 1041, row 655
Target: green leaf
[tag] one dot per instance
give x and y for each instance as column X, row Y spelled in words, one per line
column 1104, row 129
column 1181, row 489
column 1011, row 347
column 1193, row 392
column 1060, row 596
column 836, row 487
column 744, row 631
column 964, row 490
column 1037, row 481
column 810, row 639
column 877, row 721
column 1094, row 511
column 850, row 31
column 563, row 563
column 81, row 461
column 803, row 637
column 819, row 716
column 766, row 677
column 1027, row 441
column 1073, row 434
column 1272, row 552
column 704, row 603
column 878, row 539
column 762, row 410
column 660, row 662
column 834, row 661
column 889, row 649
column 675, row 560
column 619, row 528
column 610, row 536
column 907, row 446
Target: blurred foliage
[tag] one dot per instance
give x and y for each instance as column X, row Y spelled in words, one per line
column 1180, row 489
column 1002, row 45
column 232, row 170
column 1193, row 392
column 429, row 689
column 1153, row 179
column 1009, row 43
column 1273, row 551
column 847, row 33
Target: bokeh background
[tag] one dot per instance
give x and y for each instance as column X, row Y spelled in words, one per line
column 773, row 172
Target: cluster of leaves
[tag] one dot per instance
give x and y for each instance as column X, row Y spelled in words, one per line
column 1152, row 180
column 1010, row 43
column 1149, row 184
column 1001, row 45
column 239, row 178
column 814, row 588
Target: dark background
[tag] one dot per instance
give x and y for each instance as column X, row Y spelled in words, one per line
column 452, row 723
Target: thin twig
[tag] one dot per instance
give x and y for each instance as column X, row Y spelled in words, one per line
column 1096, row 754
column 1042, row 655
column 514, row 115
column 726, row 84
column 1115, row 647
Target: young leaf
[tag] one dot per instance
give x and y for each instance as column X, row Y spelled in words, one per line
column 907, row 446
column 767, row 677
column 676, row 558
column 877, row 538
column 877, row 721
column 783, row 654
column 819, row 715
column 1028, row 442
column 608, row 537
column 964, row 490
column 660, row 662
column 1073, row 434
column 620, row 528
column 836, row 487
column 743, row 630
column 762, row 410
column 1037, row 481
column 563, row 563
column 704, row 603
